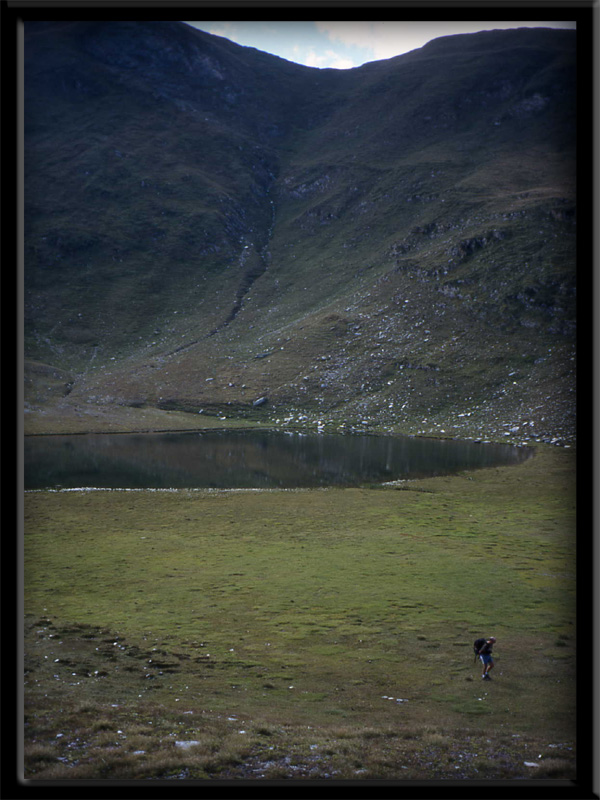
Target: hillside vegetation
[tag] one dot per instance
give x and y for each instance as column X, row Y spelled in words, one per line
column 208, row 225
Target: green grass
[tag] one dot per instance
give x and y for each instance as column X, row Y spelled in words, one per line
column 333, row 627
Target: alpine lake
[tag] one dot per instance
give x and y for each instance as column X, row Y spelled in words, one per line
column 249, row 459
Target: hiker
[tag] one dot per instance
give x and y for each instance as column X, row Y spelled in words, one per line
column 485, row 654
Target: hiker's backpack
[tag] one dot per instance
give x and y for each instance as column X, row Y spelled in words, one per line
column 477, row 645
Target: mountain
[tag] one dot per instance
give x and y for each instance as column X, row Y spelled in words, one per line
column 207, row 225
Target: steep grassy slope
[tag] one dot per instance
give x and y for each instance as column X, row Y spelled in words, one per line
column 145, row 171
column 208, row 225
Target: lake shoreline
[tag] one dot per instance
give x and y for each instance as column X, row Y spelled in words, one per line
column 68, row 417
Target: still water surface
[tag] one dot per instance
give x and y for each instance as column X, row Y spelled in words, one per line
column 248, row 459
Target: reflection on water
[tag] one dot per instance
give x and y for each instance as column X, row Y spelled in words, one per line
column 249, row 459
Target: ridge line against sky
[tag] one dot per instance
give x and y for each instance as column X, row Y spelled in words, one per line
column 345, row 45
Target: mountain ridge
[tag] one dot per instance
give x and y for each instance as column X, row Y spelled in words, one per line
column 208, row 225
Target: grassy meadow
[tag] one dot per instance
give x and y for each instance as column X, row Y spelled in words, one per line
column 216, row 634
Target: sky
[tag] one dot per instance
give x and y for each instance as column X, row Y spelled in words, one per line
column 344, row 45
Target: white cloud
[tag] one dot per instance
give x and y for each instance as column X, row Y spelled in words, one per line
column 311, row 59
column 328, row 59
column 342, row 63
column 367, row 35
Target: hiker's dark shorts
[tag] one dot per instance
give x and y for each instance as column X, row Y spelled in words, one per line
column 485, row 658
